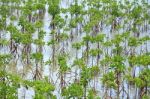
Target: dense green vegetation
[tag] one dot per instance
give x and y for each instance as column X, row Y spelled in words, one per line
column 75, row 49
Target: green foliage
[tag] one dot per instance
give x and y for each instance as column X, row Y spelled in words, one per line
column 8, row 82
column 79, row 62
column 75, row 90
column 107, row 44
column 146, row 97
column 106, row 60
column 4, row 59
column 13, row 18
column 132, row 59
column 133, row 42
column 143, row 60
column 42, row 86
column 92, row 94
column 62, row 61
column 95, row 52
column 37, row 56
column 63, row 36
column 95, row 70
column 139, row 60
column 9, row 86
column 22, row 21
column 52, row 42
column 85, row 76
column 54, row 8
column 43, row 89
column 25, row 38
column 58, row 21
column 118, row 49
column 75, row 9
column 39, row 42
column 39, row 24
column 109, row 80
column 87, row 38
column 111, row 35
column 4, row 10
column 136, row 12
column 118, row 63
column 100, row 37
column 77, row 45
column 73, row 23
column 4, row 42
column 40, row 6
column 145, row 76
column 41, row 34
column 117, row 40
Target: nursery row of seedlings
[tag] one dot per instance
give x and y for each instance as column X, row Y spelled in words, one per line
column 96, row 49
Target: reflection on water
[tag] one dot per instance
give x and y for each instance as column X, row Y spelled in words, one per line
column 131, row 92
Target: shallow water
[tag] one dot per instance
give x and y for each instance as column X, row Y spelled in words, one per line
column 23, row 93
